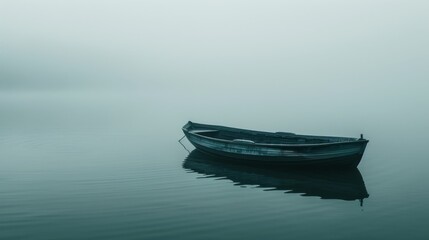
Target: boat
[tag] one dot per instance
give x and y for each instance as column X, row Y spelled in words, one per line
column 345, row 185
column 281, row 149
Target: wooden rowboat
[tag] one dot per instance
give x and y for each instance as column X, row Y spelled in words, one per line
column 279, row 149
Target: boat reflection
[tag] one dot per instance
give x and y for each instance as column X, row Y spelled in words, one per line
column 344, row 184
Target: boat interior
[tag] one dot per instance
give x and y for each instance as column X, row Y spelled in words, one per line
column 247, row 136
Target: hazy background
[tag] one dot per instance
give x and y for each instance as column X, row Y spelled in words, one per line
column 108, row 84
column 327, row 67
column 349, row 61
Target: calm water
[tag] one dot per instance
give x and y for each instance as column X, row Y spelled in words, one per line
column 76, row 166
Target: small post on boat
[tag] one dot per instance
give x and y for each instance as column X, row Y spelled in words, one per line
column 361, row 136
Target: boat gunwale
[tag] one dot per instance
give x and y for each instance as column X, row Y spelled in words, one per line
column 356, row 140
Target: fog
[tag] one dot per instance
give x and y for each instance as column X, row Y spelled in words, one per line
column 223, row 61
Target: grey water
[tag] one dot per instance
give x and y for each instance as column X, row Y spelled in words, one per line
column 93, row 96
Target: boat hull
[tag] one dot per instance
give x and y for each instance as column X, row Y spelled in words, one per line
column 346, row 154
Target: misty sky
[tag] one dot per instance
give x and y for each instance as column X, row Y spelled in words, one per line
column 294, row 45
column 222, row 61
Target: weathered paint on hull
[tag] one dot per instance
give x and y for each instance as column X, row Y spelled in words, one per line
column 345, row 161
column 347, row 154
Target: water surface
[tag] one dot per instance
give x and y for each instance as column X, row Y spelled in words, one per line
column 75, row 166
